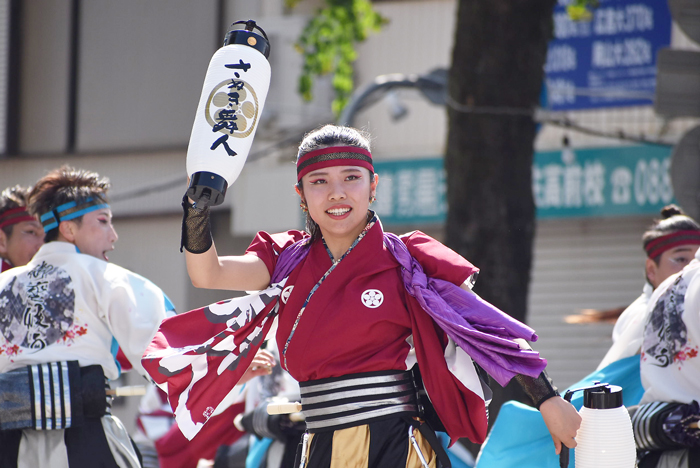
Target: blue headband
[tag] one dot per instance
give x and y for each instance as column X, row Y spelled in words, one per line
column 71, row 210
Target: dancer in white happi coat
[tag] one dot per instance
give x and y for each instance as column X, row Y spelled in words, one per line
column 62, row 318
column 669, row 244
column 666, row 332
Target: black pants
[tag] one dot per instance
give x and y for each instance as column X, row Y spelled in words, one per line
column 651, row 459
column 86, row 446
column 379, row 444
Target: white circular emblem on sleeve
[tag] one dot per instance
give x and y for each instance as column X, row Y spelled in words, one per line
column 286, row 292
column 372, row 298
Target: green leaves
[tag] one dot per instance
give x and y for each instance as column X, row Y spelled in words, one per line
column 580, row 10
column 328, row 45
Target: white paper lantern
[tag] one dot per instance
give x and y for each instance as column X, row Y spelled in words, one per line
column 232, row 99
column 605, row 438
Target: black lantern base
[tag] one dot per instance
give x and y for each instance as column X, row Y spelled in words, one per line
column 207, row 189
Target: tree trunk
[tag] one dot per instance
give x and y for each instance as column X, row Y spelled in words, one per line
column 498, row 68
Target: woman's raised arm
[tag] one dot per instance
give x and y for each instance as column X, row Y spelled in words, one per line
column 239, row 273
column 205, row 267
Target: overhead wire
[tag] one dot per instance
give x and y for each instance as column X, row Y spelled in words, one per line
column 547, row 117
column 538, row 114
column 294, row 136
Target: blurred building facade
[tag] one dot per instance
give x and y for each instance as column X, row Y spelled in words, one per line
column 113, row 87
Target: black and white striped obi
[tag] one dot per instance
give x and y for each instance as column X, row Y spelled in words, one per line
column 353, row 400
column 55, row 395
column 364, row 420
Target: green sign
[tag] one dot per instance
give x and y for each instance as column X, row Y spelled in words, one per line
column 595, row 182
column 411, row 191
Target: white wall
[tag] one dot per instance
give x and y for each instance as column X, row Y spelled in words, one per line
column 142, row 65
column 45, row 76
column 263, row 199
column 128, row 174
column 150, row 247
column 417, row 39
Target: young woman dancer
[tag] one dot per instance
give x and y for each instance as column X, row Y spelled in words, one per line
column 357, row 308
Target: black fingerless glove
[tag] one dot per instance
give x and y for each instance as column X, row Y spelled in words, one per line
column 196, row 228
column 539, row 390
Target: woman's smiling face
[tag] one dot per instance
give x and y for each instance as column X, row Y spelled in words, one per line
column 338, row 199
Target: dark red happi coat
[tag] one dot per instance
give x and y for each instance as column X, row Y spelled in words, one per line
column 199, row 356
column 337, row 334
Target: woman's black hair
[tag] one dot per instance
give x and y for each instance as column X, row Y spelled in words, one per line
column 329, row 135
column 673, row 219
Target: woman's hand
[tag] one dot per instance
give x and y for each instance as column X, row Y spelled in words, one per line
column 262, row 364
column 204, row 266
column 562, row 420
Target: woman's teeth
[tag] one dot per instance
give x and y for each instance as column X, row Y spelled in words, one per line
column 338, row 211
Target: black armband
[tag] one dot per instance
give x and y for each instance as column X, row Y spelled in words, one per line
column 539, row 390
column 196, row 228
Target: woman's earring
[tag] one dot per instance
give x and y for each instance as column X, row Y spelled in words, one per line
column 303, row 207
column 372, row 199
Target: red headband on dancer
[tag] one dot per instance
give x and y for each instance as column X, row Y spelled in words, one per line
column 14, row 216
column 669, row 241
column 334, row 156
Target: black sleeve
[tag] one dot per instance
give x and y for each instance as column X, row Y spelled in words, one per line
column 539, row 390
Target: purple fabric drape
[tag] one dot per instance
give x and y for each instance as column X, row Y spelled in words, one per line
column 289, row 259
column 483, row 331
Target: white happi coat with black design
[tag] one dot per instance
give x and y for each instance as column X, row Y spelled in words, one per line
column 65, row 306
column 68, row 306
column 670, row 363
column 629, row 329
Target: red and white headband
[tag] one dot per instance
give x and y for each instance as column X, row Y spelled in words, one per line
column 669, row 241
column 333, row 156
column 14, row 216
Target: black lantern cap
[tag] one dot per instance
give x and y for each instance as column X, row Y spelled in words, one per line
column 603, row 397
column 248, row 37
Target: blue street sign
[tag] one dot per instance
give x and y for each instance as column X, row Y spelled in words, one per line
column 609, row 61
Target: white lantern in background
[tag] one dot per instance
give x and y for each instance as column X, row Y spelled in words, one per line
column 228, row 113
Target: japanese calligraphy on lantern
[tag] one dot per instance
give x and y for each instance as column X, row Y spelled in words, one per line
column 232, row 108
